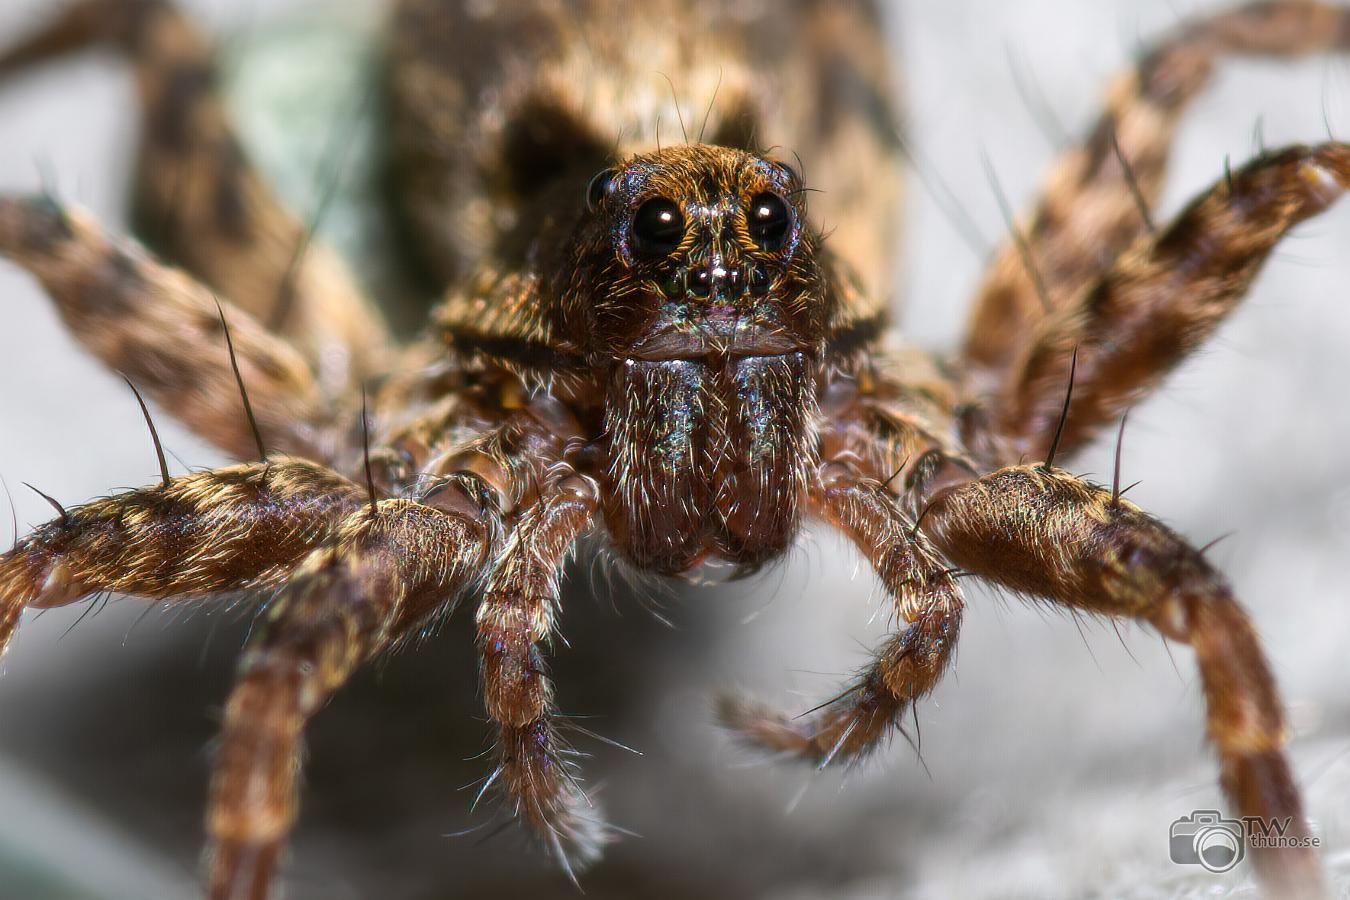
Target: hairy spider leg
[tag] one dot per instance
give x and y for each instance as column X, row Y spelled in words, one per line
column 1045, row 533
column 213, row 532
column 1097, row 198
column 535, row 770
column 200, row 201
column 910, row 662
column 380, row 576
column 166, row 332
column 1160, row 300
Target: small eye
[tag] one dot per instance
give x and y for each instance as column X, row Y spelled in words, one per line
column 769, row 219
column 598, row 188
column 787, row 170
column 658, row 227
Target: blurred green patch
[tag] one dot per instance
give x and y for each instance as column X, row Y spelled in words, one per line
column 305, row 97
column 24, row 877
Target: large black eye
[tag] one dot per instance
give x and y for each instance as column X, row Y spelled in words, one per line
column 658, row 227
column 770, row 220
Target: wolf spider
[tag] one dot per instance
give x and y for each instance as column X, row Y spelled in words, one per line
column 667, row 352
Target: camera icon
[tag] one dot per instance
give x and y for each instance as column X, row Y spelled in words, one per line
column 1205, row 838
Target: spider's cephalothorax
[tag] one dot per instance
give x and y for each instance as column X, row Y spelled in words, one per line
column 699, row 297
column 669, row 357
column 693, row 296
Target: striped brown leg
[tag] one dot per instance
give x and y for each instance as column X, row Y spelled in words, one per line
column 387, row 571
column 1097, row 198
column 202, row 203
column 1045, row 533
column 517, row 615
column 833, row 60
column 163, row 331
column 907, row 666
column 225, row 530
column 1161, row 298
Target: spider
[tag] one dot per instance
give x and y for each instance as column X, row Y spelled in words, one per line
column 645, row 335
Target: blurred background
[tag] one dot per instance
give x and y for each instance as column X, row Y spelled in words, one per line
column 1054, row 758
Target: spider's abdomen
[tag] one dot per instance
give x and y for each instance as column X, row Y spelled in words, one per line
column 708, row 458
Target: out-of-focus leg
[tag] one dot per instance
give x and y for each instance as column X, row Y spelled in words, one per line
column 1098, row 197
column 1159, row 301
column 163, row 330
column 201, row 202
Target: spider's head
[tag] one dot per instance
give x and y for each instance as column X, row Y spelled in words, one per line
column 699, row 251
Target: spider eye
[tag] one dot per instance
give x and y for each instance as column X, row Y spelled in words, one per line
column 787, row 171
column 598, row 188
column 658, row 227
column 769, row 219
